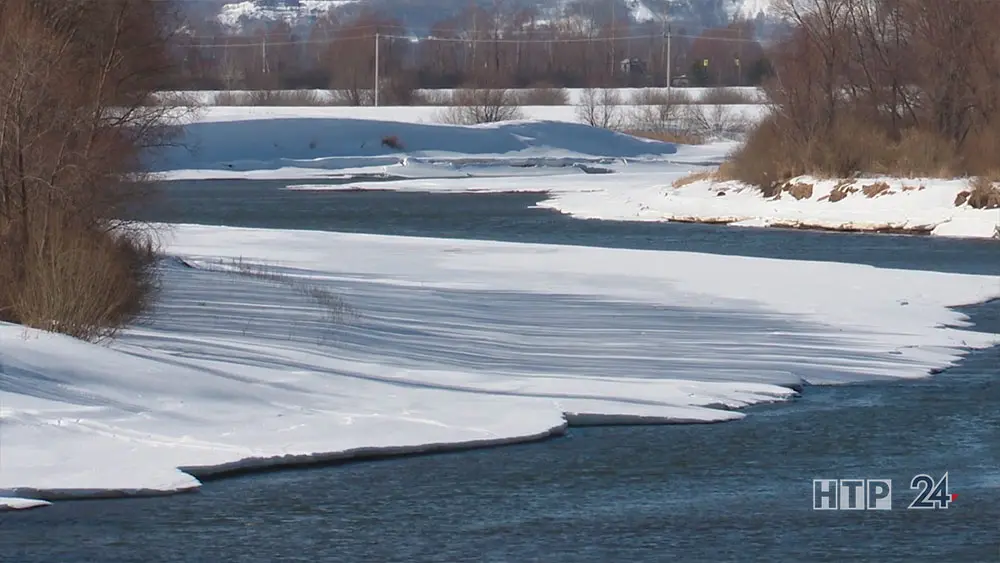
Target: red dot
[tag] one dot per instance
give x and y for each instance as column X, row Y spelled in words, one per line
column 954, row 496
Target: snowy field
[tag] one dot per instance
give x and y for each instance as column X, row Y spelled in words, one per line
column 271, row 347
column 589, row 173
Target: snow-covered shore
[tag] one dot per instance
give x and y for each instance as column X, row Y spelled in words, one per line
column 587, row 172
column 275, row 347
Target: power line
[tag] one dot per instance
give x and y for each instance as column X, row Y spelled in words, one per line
column 243, row 41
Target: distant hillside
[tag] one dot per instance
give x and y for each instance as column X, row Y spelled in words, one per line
column 420, row 15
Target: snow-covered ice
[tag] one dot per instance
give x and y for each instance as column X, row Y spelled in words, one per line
column 12, row 503
column 441, row 343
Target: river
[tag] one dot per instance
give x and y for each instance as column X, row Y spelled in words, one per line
column 739, row 491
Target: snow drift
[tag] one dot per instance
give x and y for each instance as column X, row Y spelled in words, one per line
column 254, row 141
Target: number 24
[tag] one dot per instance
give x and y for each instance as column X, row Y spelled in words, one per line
column 933, row 494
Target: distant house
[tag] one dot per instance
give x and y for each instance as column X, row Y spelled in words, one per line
column 633, row 66
column 681, row 81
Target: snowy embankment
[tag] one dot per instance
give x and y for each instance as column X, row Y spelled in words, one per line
column 271, row 347
column 322, row 142
column 888, row 205
column 587, row 172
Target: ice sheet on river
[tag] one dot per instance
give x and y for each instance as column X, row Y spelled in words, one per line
column 283, row 346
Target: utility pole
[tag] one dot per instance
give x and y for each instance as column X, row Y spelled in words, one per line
column 614, row 57
column 376, row 68
column 263, row 54
column 670, row 81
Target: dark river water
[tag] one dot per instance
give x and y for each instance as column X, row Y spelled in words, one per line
column 739, row 491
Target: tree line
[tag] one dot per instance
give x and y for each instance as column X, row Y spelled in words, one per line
column 901, row 87
column 478, row 47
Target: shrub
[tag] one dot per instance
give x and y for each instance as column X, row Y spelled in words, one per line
column 921, row 153
column 543, row 95
column 713, row 122
column 81, row 281
column 231, row 98
column 728, row 97
column 600, row 107
column 397, row 90
column 274, row 98
column 352, row 97
column 291, row 98
column 662, row 113
column 473, row 106
column 432, row 98
column 767, row 158
column 660, row 97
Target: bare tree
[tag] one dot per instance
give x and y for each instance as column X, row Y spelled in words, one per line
column 897, row 86
column 77, row 110
column 600, row 107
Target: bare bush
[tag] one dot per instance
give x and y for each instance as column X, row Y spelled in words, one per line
column 175, row 99
column 714, row 122
column 432, row 98
column 85, row 283
column 77, row 110
column 473, row 106
column 352, row 97
column 229, row 98
column 272, row 98
column 290, row 98
column 600, row 107
column 543, row 95
column 656, row 111
column 728, row 97
column 398, row 90
column 660, row 97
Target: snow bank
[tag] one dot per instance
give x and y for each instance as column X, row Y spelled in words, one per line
column 232, row 139
column 917, row 206
column 10, row 503
column 273, row 347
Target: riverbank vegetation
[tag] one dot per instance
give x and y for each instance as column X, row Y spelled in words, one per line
column 77, row 80
column 900, row 88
